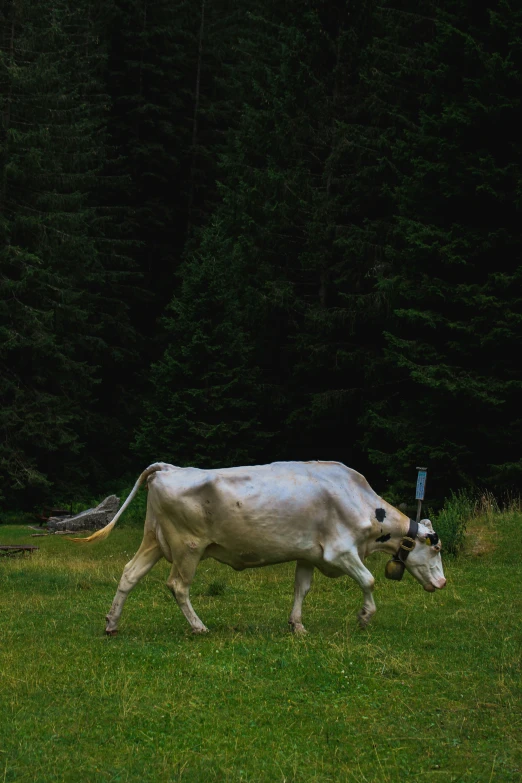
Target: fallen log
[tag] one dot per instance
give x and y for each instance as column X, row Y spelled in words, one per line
column 15, row 549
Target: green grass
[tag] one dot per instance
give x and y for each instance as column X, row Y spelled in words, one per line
column 429, row 692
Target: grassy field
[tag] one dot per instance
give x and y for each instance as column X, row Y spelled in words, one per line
column 431, row 691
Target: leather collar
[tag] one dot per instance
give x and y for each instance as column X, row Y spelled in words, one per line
column 408, row 542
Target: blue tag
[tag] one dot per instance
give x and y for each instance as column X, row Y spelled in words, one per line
column 421, row 485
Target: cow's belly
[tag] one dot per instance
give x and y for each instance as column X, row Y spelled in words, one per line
column 249, row 559
column 237, row 560
column 240, row 561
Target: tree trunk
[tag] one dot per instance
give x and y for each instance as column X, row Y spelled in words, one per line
column 196, row 113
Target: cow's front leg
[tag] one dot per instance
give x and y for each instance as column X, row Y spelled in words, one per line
column 350, row 562
column 304, row 573
column 179, row 581
column 145, row 558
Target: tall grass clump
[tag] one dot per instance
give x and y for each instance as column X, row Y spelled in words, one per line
column 450, row 523
column 462, row 507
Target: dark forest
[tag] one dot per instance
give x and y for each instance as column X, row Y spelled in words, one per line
column 241, row 232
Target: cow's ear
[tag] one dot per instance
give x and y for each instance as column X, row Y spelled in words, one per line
column 426, row 534
column 423, row 531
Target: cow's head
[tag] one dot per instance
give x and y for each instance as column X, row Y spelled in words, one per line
column 424, row 561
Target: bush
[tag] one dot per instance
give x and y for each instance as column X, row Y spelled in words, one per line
column 450, row 523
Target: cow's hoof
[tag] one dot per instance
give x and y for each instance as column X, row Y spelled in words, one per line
column 201, row 630
column 364, row 618
column 298, row 629
column 111, row 631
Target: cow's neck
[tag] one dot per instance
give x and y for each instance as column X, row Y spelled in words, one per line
column 385, row 536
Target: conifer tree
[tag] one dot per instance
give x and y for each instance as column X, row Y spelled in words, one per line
column 455, row 278
column 281, row 241
column 56, row 296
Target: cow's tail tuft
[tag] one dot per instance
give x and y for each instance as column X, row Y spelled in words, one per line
column 99, row 535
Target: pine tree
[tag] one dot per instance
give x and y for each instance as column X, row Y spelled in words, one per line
column 205, row 401
column 167, row 121
column 151, row 74
column 282, row 243
column 56, row 295
column 453, row 344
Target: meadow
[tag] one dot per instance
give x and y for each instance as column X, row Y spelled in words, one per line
column 430, row 691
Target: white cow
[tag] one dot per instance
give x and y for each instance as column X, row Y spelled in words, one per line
column 321, row 514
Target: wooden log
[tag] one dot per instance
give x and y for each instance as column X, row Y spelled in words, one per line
column 13, row 549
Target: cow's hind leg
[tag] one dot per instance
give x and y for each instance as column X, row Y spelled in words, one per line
column 145, row 558
column 304, row 573
column 179, row 581
column 350, row 563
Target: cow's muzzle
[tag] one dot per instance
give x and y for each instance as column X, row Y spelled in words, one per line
column 438, row 585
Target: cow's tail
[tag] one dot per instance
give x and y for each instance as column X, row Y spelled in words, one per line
column 99, row 535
